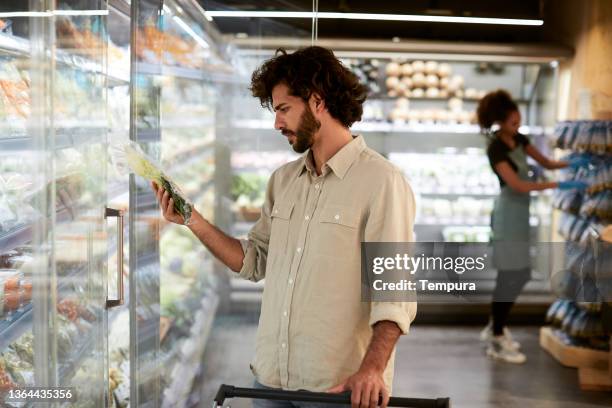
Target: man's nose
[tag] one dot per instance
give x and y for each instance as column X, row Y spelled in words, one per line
column 278, row 124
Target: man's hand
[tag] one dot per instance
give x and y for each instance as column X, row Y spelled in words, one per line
column 366, row 386
column 167, row 205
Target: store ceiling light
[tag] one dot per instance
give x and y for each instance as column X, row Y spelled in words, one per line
column 379, row 17
column 49, row 13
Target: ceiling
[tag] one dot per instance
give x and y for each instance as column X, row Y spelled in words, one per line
column 531, row 9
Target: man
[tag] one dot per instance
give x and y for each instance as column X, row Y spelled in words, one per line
column 314, row 331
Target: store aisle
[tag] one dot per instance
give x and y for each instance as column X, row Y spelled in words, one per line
column 431, row 361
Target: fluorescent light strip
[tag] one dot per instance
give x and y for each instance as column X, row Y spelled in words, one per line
column 50, row 13
column 380, row 17
column 192, row 33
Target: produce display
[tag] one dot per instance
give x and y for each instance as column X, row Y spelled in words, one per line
column 248, row 192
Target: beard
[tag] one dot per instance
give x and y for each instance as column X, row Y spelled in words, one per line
column 304, row 135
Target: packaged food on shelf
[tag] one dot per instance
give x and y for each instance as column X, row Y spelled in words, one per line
column 597, row 205
column 20, row 370
column 6, row 382
column 584, row 136
column 14, row 94
column 10, row 292
column 130, row 156
column 67, row 336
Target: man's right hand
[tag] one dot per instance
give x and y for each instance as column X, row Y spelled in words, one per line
column 167, row 205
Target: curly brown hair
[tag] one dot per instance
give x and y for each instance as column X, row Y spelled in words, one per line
column 312, row 70
column 495, row 107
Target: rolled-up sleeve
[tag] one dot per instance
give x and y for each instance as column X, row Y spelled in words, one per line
column 391, row 219
column 255, row 248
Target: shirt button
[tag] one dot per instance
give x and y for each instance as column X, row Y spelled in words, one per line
column 285, row 313
column 275, row 211
column 307, row 217
column 291, row 281
column 317, row 186
column 337, row 217
column 299, row 249
column 284, row 345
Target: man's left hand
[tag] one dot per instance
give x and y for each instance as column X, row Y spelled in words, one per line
column 366, row 386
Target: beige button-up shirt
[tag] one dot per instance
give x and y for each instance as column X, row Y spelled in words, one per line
column 314, row 329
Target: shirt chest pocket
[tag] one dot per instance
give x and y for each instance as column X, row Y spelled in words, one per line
column 279, row 233
column 339, row 229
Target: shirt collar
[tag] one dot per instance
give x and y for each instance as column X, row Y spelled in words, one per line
column 340, row 162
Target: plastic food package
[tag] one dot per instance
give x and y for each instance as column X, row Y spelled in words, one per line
column 130, row 157
column 585, row 136
column 10, row 291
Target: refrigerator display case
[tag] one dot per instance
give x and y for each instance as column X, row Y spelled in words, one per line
column 56, row 241
column 180, row 65
column 107, row 307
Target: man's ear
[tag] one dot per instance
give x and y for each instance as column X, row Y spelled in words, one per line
column 318, row 104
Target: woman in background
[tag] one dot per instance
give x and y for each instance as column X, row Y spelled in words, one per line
column 507, row 152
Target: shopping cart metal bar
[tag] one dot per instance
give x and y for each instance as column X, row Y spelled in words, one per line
column 229, row 391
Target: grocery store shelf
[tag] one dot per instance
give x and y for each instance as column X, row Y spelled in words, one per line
column 188, row 123
column 147, row 68
column 13, row 328
column 78, row 135
column 455, row 222
column 189, row 151
column 456, row 193
column 191, row 350
column 193, row 157
column 20, row 46
column 18, row 236
column 83, row 350
column 400, row 127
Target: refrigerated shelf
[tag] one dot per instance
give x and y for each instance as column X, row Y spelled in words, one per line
column 147, row 68
column 18, row 324
column 21, row 47
column 63, row 138
column 77, row 357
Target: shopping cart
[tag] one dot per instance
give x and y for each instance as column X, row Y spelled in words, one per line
column 229, row 391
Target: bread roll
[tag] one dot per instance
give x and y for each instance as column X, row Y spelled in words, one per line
column 418, row 66
column 431, row 67
column 392, row 69
column 444, row 69
column 406, row 69
column 418, row 80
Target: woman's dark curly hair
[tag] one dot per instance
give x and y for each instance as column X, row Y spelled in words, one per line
column 312, row 70
column 495, row 107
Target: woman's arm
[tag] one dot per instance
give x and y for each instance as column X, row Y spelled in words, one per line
column 544, row 161
column 511, row 178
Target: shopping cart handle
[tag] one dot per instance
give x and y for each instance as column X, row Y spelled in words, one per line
column 229, row 391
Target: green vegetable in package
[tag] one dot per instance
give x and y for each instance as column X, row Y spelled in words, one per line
column 130, row 155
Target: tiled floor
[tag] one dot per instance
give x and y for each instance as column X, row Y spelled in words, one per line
column 430, row 362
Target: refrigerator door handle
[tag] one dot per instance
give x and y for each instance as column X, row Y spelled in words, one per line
column 111, row 212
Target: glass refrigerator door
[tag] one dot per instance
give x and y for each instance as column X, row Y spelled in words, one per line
column 175, row 62
column 55, row 246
